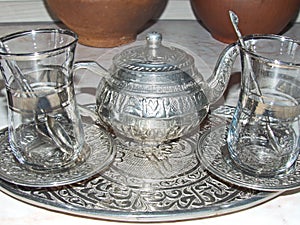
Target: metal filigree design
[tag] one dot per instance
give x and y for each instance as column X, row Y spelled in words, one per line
column 146, row 183
column 214, row 155
column 151, row 116
column 218, row 82
column 97, row 154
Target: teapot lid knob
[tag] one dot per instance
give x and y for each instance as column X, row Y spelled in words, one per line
column 154, row 39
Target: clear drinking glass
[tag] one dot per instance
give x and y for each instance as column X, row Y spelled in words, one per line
column 263, row 137
column 45, row 128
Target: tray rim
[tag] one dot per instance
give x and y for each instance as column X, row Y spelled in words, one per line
column 162, row 216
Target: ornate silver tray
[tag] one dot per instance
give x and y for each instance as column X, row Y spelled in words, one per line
column 164, row 183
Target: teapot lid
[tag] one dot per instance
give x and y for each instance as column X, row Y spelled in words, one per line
column 153, row 57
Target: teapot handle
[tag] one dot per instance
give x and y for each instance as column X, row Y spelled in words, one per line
column 92, row 66
column 217, row 83
column 97, row 69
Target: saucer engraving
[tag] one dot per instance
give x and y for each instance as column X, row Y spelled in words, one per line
column 213, row 152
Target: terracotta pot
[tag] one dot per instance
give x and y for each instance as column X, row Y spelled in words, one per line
column 106, row 23
column 255, row 16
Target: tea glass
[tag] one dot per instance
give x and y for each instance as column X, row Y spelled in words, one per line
column 263, row 137
column 44, row 126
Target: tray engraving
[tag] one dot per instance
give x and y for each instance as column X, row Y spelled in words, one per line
column 162, row 183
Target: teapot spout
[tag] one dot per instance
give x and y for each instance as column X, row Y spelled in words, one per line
column 218, row 81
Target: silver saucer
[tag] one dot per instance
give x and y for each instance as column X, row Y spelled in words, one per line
column 144, row 183
column 98, row 154
column 213, row 153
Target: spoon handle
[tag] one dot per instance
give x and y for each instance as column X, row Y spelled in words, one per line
column 235, row 20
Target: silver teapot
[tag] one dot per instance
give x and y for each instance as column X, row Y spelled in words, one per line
column 154, row 93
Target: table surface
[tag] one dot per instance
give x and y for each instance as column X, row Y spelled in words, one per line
column 284, row 209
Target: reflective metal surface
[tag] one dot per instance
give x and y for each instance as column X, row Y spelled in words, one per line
column 146, row 183
column 154, row 92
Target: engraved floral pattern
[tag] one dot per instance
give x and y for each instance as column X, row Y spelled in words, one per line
column 167, row 182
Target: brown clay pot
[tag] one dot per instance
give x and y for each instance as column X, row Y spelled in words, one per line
column 255, row 16
column 106, row 23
